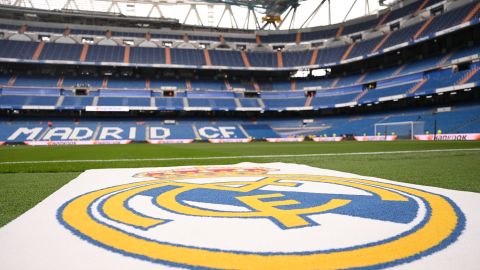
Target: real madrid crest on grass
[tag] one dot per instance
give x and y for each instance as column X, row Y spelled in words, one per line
column 261, row 216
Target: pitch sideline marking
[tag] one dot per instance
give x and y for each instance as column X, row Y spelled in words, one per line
column 239, row 157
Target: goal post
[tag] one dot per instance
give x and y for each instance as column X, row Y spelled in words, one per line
column 403, row 130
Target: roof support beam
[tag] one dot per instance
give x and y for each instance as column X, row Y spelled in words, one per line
column 71, row 4
column 313, row 14
column 194, row 8
column 155, row 6
column 233, row 21
column 350, row 10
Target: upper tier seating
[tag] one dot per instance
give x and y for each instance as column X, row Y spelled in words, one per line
column 147, row 55
column 226, row 58
column 296, row 59
column 187, row 57
column 105, row 54
column 451, row 18
column 260, row 59
column 17, row 49
column 233, row 58
column 58, row 51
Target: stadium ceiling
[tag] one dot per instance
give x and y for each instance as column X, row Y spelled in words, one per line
column 242, row 14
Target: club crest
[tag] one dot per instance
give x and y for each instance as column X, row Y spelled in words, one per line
column 257, row 218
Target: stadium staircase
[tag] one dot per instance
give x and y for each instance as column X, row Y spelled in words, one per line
column 246, row 62
column 195, row 131
column 399, row 70
column 60, row 101
column 347, row 52
column 238, row 104
column 417, row 86
column 105, row 83
column 384, row 18
column 424, row 26
column 472, row 13
column 38, row 51
column 380, row 44
column 126, row 55
column 83, row 55
column 256, row 86
column 340, row 31
column 445, row 59
column 298, row 38
column 361, row 78
column 12, row 80
column 467, row 76
column 208, row 61
column 334, row 83
column 421, row 7
column 314, row 56
column 60, row 82
column 359, row 96
column 228, row 85
column 261, row 103
column 279, row 59
column 244, row 132
column 308, row 101
column 168, row 56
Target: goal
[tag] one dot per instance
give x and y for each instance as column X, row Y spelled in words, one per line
column 403, row 130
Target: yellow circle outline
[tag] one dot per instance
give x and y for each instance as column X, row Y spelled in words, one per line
column 443, row 222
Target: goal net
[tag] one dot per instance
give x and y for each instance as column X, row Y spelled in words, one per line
column 403, row 130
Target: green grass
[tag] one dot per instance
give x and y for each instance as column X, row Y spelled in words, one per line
column 24, row 185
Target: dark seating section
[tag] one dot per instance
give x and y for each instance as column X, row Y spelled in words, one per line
column 58, row 51
column 42, row 90
column 402, row 35
column 189, row 57
column 330, row 55
column 262, row 59
column 361, row 26
column 105, row 54
column 318, row 34
column 306, row 35
column 226, row 58
column 297, row 58
column 279, row 38
column 233, row 58
column 17, row 49
column 450, row 18
column 147, row 55
column 364, row 47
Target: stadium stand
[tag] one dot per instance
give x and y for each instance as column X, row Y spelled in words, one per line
column 404, row 55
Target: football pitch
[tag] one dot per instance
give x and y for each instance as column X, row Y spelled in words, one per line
column 30, row 174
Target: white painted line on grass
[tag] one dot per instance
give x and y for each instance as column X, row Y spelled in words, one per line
column 240, row 157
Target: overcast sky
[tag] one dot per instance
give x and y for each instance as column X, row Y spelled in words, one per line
column 339, row 9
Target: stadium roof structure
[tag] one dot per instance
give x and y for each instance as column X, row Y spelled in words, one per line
column 242, row 14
